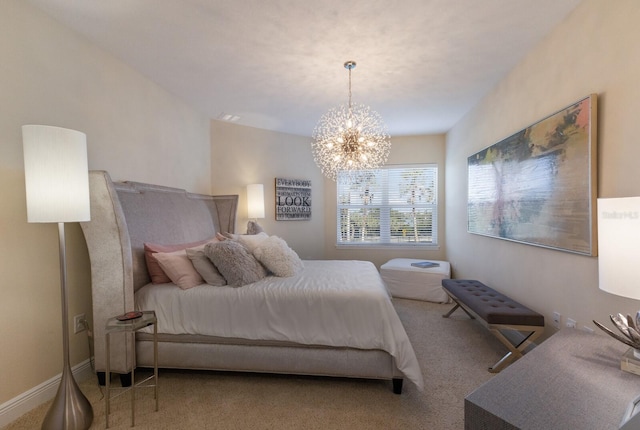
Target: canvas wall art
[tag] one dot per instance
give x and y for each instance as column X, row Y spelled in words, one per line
column 293, row 199
column 538, row 186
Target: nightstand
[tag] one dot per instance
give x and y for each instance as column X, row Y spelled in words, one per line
column 129, row 327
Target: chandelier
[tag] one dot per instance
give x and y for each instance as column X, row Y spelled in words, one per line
column 350, row 138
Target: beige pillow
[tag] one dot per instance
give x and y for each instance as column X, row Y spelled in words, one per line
column 251, row 241
column 238, row 266
column 205, row 267
column 275, row 255
column 179, row 268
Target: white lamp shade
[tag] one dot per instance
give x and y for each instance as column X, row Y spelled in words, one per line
column 619, row 246
column 255, row 201
column 56, row 174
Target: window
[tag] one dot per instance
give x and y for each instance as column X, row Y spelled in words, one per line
column 395, row 205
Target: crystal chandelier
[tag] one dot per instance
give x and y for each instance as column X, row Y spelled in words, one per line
column 350, row 138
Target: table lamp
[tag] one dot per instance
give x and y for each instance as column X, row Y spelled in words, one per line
column 618, row 255
column 255, row 201
column 57, row 189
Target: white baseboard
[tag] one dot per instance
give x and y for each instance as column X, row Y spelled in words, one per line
column 20, row 405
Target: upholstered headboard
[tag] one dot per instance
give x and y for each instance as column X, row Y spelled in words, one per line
column 124, row 216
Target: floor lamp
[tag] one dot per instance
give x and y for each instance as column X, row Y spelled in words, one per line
column 57, row 188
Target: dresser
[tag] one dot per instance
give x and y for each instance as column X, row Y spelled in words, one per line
column 571, row 381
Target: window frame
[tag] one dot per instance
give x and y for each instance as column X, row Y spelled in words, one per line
column 385, row 238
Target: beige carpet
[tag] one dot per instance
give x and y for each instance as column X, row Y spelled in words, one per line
column 454, row 355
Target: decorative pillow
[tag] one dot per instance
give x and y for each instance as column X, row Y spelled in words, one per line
column 179, row 268
column 276, row 256
column 251, row 241
column 235, row 263
column 205, row 267
column 254, row 228
column 155, row 271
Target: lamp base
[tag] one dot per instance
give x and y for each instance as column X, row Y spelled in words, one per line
column 70, row 409
column 630, row 361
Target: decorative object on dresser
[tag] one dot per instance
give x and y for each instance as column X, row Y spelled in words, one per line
column 498, row 313
column 522, row 188
column 405, row 280
column 57, row 188
column 619, row 248
column 350, row 138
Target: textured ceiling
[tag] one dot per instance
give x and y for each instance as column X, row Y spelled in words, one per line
column 278, row 64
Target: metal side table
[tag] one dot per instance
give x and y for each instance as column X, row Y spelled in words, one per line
column 130, row 327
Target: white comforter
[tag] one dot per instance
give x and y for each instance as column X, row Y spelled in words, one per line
column 336, row 303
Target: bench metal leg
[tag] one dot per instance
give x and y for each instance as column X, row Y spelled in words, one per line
column 457, row 305
column 503, row 362
column 515, row 351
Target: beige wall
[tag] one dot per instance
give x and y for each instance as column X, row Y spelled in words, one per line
column 404, row 150
column 245, row 155
column 135, row 130
column 595, row 50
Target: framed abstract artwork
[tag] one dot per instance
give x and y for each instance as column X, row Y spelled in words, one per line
column 293, row 199
column 538, row 186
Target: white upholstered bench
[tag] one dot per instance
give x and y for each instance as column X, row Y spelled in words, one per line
column 406, row 281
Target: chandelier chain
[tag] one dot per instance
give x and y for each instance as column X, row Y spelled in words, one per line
column 349, row 89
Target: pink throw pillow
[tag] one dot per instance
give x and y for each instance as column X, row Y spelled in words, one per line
column 179, row 268
column 155, row 271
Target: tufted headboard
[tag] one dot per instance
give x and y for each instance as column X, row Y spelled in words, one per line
column 125, row 215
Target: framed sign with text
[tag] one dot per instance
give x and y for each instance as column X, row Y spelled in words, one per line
column 293, row 199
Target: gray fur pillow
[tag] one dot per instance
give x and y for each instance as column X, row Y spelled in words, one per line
column 238, row 266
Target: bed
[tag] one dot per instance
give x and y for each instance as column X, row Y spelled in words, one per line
column 332, row 318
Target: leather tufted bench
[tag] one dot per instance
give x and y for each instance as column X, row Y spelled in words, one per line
column 499, row 313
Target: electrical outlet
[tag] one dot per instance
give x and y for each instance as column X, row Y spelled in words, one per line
column 571, row 323
column 79, row 323
column 556, row 319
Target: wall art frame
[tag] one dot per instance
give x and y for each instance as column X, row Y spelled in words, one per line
column 539, row 185
column 293, row 199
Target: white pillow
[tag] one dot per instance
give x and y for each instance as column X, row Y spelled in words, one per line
column 207, row 270
column 251, row 241
column 179, row 268
column 275, row 255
